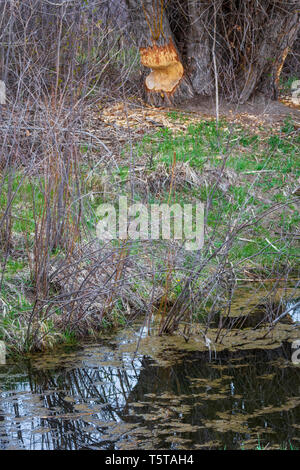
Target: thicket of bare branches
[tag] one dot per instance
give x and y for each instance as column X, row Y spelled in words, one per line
column 59, row 60
column 68, row 48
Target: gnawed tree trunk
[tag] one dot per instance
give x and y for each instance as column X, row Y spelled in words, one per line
column 167, row 69
column 167, row 82
column 252, row 40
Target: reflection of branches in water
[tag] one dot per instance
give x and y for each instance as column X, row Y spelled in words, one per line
column 226, row 389
column 241, row 389
column 104, row 390
column 106, row 386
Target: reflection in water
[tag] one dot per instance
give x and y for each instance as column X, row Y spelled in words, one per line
column 64, row 409
column 295, row 312
column 98, row 397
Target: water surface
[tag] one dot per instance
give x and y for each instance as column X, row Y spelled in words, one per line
column 104, row 395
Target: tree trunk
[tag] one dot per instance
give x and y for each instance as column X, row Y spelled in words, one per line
column 281, row 44
column 167, row 83
column 199, row 47
column 264, row 71
column 252, row 40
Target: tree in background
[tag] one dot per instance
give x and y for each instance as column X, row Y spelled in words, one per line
column 195, row 46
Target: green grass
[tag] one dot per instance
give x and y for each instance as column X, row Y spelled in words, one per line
column 196, row 145
column 285, row 446
column 202, row 142
column 272, row 159
column 286, row 83
column 69, row 338
column 264, row 164
column 264, row 167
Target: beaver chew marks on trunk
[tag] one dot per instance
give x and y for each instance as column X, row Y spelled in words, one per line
column 167, row 70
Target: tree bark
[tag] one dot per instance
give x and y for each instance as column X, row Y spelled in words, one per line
column 159, row 53
column 199, row 47
column 176, row 44
column 283, row 36
column 263, row 72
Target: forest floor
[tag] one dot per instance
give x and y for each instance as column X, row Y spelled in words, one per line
column 248, row 164
column 260, row 142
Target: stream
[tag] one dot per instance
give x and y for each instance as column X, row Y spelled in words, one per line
column 106, row 395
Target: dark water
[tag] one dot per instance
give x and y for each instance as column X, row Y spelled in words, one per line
column 101, row 396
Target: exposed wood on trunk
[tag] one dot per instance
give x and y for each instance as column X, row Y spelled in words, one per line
column 167, row 84
column 252, row 42
column 167, row 76
column 167, row 70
